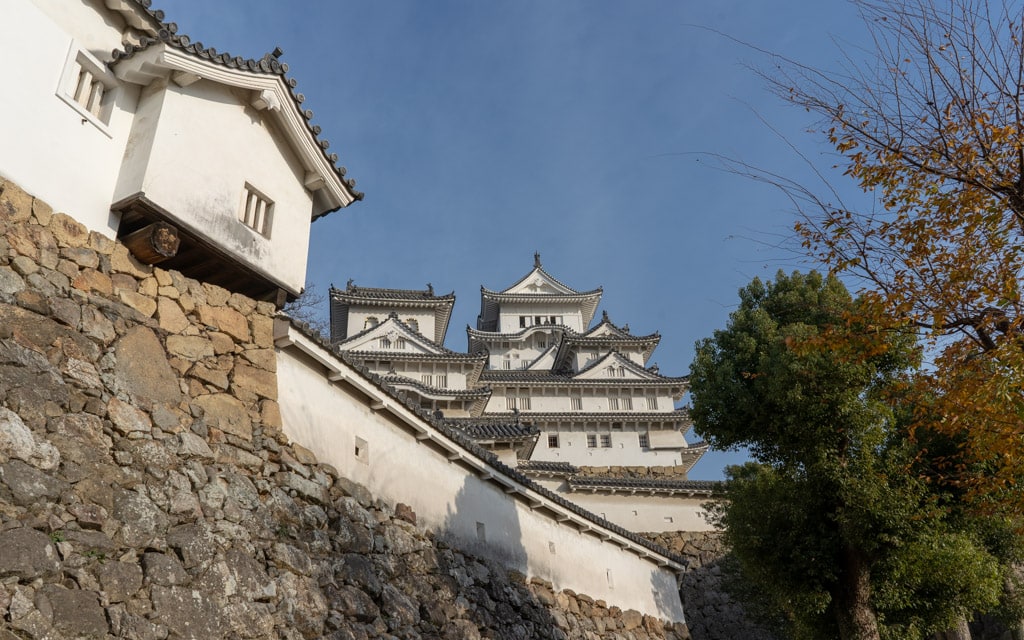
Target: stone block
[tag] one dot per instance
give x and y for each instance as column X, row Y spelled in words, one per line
column 265, row 359
column 10, row 281
column 67, row 231
column 270, row 414
column 122, row 261
column 141, row 303
column 127, row 418
column 15, row 204
column 226, row 413
column 263, row 331
column 119, row 580
column 29, row 485
column 258, row 381
column 101, row 244
column 82, row 256
column 226, row 320
column 90, row 280
column 27, row 554
column 41, row 211
column 190, row 347
column 75, row 612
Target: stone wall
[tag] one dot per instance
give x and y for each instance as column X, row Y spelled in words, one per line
column 711, row 612
column 147, row 491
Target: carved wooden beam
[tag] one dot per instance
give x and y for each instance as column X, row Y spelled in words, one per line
column 154, row 243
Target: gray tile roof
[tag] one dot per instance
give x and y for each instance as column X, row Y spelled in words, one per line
column 499, row 431
column 566, row 468
column 704, row 487
column 379, row 293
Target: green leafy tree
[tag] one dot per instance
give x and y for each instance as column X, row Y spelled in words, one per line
column 831, row 524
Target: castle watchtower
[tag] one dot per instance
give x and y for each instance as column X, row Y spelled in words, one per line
column 222, row 152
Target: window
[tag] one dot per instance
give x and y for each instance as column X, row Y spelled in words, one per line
column 591, row 441
column 442, row 380
column 613, row 404
column 553, row 441
column 668, row 519
column 576, row 404
column 622, row 372
column 524, row 321
column 88, row 87
column 413, row 324
column 606, row 440
column 510, row 403
column 362, row 450
column 257, row 211
column 371, row 322
column 524, row 403
column 645, row 440
column 506, row 364
column 427, row 379
column 384, row 342
column 627, row 404
column 400, row 343
column 652, row 404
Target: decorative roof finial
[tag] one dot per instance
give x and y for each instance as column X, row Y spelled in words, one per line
column 277, row 52
column 604, row 316
column 536, row 259
column 430, row 289
column 349, row 286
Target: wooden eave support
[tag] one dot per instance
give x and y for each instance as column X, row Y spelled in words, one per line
column 154, row 243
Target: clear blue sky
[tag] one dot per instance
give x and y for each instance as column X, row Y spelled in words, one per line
column 482, row 131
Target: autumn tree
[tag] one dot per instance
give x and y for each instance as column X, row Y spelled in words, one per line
column 930, row 124
column 828, row 524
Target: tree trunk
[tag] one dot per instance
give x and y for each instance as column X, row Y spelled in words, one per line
column 854, row 613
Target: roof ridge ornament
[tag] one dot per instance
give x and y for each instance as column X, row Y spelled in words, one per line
column 536, row 259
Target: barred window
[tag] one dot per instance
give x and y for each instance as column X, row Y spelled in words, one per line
column 257, row 211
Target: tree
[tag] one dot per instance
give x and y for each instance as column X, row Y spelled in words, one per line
column 931, row 124
column 829, row 524
column 307, row 308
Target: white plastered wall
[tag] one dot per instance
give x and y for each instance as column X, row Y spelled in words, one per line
column 640, row 511
column 195, row 161
column 48, row 148
column 454, row 500
column 625, row 450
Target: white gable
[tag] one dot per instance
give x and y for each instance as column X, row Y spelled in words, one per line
column 391, row 336
column 538, row 282
column 615, row 366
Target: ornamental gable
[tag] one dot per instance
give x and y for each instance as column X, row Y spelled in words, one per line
column 615, row 366
column 392, row 336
